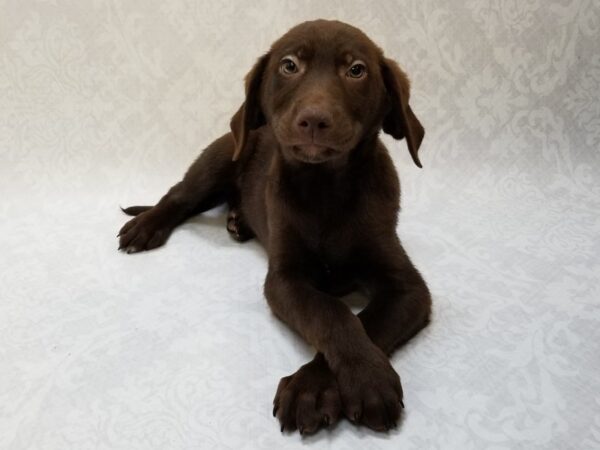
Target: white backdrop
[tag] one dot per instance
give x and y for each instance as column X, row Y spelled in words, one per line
column 106, row 103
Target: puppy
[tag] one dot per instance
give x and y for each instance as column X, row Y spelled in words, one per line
column 303, row 171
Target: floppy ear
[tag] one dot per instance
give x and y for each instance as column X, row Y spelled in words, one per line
column 250, row 115
column 400, row 121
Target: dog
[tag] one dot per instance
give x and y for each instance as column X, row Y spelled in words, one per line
column 303, row 171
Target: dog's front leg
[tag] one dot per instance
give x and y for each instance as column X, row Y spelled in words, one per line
column 205, row 184
column 400, row 303
column 369, row 387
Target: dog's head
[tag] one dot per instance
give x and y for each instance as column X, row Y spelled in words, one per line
column 324, row 87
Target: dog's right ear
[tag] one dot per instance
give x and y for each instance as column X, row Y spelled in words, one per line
column 250, row 115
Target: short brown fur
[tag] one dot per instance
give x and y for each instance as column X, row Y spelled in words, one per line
column 303, row 171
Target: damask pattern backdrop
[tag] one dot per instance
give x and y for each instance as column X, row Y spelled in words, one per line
column 106, row 103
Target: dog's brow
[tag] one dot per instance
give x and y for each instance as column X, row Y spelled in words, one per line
column 346, row 57
column 302, row 51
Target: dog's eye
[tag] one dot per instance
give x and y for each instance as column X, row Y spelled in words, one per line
column 288, row 65
column 357, row 70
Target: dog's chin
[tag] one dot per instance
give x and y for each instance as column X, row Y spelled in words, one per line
column 314, row 153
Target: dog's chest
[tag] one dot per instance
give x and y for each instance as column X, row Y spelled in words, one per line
column 324, row 214
column 329, row 234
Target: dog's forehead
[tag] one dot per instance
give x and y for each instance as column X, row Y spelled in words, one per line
column 330, row 38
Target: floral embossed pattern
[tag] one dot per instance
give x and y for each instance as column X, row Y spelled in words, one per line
column 107, row 102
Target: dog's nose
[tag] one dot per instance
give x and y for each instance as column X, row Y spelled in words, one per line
column 313, row 121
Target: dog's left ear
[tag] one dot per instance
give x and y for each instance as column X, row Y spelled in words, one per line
column 250, row 115
column 400, row 121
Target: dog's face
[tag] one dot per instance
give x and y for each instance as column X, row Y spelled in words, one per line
column 323, row 88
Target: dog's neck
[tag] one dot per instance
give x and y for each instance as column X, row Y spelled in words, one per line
column 330, row 183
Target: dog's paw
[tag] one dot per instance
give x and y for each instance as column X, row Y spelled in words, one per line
column 144, row 232
column 236, row 227
column 371, row 392
column 309, row 399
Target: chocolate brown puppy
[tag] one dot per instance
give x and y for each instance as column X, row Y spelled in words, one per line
column 303, row 171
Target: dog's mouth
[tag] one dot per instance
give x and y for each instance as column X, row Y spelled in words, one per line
column 313, row 153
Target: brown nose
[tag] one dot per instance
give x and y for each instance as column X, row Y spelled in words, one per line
column 310, row 121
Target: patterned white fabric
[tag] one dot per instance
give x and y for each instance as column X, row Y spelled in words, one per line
column 107, row 102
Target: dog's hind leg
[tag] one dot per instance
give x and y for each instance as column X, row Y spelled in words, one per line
column 207, row 183
column 236, row 225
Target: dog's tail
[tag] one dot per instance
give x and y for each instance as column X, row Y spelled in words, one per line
column 135, row 210
column 213, row 200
